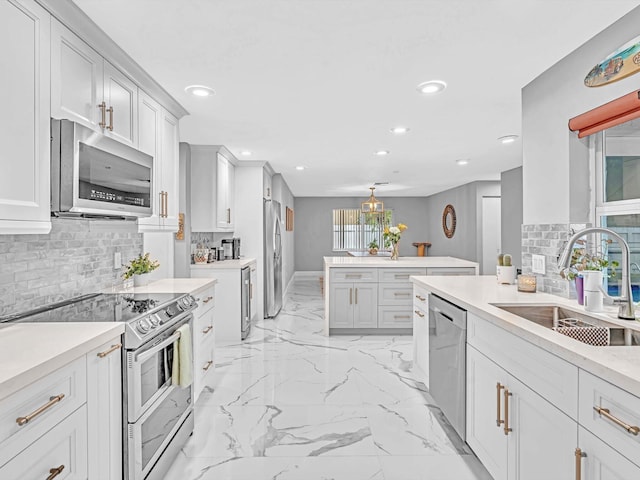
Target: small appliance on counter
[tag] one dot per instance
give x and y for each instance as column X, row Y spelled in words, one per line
column 231, row 248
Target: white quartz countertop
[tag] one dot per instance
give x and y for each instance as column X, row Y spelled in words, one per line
column 619, row 365
column 240, row 263
column 31, row 351
column 173, row 285
column 421, row 262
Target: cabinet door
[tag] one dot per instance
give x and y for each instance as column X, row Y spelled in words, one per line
column 601, row 462
column 365, row 305
column 421, row 341
column 120, row 94
column 341, row 306
column 25, row 123
column 76, row 78
column 223, row 209
column 169, row 160
column 539, row 431
column 149, row 127
column 104, row 411
column 485, row 434
column 231, row 194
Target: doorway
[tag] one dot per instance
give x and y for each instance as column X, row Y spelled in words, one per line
column 491, row 234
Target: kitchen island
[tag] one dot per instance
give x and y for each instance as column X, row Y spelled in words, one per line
column 372, row 295
column 532, row 392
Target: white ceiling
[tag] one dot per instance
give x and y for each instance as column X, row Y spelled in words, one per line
column 319, row 83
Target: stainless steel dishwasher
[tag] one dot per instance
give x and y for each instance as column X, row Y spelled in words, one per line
column 447, row 360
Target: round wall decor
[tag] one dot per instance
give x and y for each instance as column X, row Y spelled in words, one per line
column 449, row 221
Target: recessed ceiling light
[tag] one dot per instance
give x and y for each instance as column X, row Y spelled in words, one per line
column 400, row 130
column 299, row 167
column 245, row 153
column 508, row 139
column 431, row 87
column 199, row 91
column 382, row 153
column 462, row 161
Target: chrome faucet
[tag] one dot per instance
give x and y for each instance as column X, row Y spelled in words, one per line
column 626, row 309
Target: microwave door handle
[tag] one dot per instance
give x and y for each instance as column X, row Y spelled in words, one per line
column 141, row 357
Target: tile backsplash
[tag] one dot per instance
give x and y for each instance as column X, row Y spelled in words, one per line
column 75, row 258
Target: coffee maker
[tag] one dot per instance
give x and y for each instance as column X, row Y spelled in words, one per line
column 231, row 248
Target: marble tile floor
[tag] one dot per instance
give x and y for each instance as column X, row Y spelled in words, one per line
column 292, row 404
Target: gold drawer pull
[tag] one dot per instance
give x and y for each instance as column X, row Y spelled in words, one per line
column 579, row 456
column 401, row 294
column 110, row 127
column 419, row 313
column 507, row 394
column 632, row 429
column 422, row 299
column 353, row 275
column 499, row 388
column 207, row 300
column 401, row 277
column 207, row 365
column 52, row 401
column 111, row 350
column 400, row 317
column 207, row 330
column 55, row 472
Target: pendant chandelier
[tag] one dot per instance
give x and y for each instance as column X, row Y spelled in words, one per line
column 372, row 204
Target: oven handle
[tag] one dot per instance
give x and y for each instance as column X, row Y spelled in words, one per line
column 141, row 357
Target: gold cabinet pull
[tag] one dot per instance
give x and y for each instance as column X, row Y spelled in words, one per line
column 166, row 204
column 103, row 115
column 604, row 412
column 207, row 330
column 110, row 350
column 422, row 299
column 207, row 365
column 353, row 275
column 401, row 277
column 208, row 299
column 400, row 317
column 579, row 456
column 110, row 127
column 356, row 296
column 499, row 388
column 228, row 215
column 401, row 294
column 350, row 296
column 54, row 472
column 507, row 394
column 52, row 401
column 419, row 313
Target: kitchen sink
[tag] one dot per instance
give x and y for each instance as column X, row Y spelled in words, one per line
column 554, row 316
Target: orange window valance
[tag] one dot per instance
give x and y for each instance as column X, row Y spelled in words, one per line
column 608, row 115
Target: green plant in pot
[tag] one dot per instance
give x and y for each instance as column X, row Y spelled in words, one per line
column 373, row 247
column 138, row 267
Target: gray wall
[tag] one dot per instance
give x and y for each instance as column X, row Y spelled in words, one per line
column 467, row 202
column 312, row 230
column 75, row 258
column 281, row 192
column 182, row 248
column 511, row 212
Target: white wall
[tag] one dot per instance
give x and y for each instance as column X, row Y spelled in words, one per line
column 554, row 160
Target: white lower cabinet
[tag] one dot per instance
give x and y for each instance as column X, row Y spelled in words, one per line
column 60, row 453
column 203, row 338
column 421, row 332
column 595, row 460
column 354, row 305
column 514, row 432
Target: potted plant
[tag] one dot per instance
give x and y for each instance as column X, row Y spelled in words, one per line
column 505, row 271
column 138, row 268
column 373, row 247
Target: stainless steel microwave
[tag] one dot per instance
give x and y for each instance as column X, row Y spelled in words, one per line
column 95, row 176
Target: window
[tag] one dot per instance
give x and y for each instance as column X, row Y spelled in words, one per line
column 354, row 230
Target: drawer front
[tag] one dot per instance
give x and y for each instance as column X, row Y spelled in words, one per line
column 204, row 367
column 395, row 294
column 63, row 447
column 399, row 274
column 623, row 409
column 69, row 384
column 451, row 271
column 602, row 462
column 551, row 377
column 420, row 298
column 203, row 329
column 354, row 275
column 395, row 317
column 205, row 299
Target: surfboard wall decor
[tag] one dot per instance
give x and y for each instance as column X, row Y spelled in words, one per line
column 620, row 64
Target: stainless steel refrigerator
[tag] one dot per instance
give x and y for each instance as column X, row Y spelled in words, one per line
column 272, row 259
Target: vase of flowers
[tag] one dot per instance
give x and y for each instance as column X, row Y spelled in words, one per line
column 588, row 270
column 138, row 268
column 391, row 237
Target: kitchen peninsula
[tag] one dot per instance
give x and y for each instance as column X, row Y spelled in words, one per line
column 373, row 295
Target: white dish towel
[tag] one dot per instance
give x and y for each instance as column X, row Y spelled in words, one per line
column 182, row 371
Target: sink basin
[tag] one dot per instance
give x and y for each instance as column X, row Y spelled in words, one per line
column 551, row 316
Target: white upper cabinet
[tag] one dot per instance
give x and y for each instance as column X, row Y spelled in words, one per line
column 89, row 90
column 170, row 169
column 212, row 189
column 24, row 126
